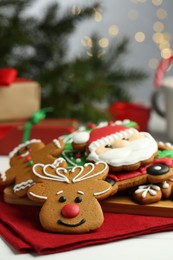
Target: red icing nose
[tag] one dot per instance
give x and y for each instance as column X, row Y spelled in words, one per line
column 70, row 211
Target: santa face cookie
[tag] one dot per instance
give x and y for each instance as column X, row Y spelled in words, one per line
column 70, row 197
column 22, row 159
column 75, row 152
column 122, row 148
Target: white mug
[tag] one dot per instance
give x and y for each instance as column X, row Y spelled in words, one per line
column 166, row 112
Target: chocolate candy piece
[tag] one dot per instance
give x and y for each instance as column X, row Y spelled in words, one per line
column 157, row 169
column 111, row 181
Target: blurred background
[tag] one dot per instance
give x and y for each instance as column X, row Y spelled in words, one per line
column 146, row 23
column 87, row 55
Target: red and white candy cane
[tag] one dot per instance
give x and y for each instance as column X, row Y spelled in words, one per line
column 161, row 71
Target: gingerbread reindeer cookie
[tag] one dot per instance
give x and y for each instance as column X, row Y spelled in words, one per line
column 22, row 159
column 70, row 197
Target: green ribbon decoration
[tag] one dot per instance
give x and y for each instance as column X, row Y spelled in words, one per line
column 39, row 115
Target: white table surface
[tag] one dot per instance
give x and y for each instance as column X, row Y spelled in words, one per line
column 157, row 246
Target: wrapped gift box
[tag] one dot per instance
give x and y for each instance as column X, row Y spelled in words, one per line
column 11, row 132
column 136, row 112
column 19, row 98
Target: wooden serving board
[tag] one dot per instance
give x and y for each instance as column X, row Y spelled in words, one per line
column 120, row 203
column 123, row 204
column 11, row 198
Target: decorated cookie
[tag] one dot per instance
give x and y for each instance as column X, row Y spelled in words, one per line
column 165, row 150
column 75, row 152
column 159, row 171
column 147, row 194
column 122, row 148
column 151, row 193
column 70, row 196
column 22, row 159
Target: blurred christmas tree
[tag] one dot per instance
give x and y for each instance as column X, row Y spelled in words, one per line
column 38, row 48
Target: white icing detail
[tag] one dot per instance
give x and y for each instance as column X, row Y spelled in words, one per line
column 126, row 121
column 101, row 192
column 102, row 124
column 15, row 150
column 57, row 143
column 37, row 196
column 149, row 188
column 80, row 192
column 157, row 167
column 57, row 162
column 3, row 176
column 167, row 144
column 161, row 143
column 69, row 138
column 77, row 178
column 81, row 137
column 165, row 185
column 117, row 122
column 137, row 150
column 23, row 185
column 58, row 177
column 66, row 138
column 24, row 154
column 68, row 159
column 59, row 192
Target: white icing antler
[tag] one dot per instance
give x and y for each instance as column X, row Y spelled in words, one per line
column 79, row 177
column 47, row 176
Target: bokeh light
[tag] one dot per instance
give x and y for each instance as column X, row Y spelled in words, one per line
column 139, row 36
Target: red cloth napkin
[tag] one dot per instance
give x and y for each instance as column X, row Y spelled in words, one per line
column 20, row 227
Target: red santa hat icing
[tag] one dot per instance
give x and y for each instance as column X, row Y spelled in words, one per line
column 104, row 135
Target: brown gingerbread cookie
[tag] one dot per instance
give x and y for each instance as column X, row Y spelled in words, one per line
column 70, row 197
column 150, row 193
column 159, row 171
column 22, row 159
column 165, row 145
column 147, row 194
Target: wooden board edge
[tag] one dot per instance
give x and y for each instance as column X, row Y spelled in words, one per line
column 123, row 204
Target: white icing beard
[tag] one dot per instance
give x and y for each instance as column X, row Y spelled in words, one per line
column 137, row 150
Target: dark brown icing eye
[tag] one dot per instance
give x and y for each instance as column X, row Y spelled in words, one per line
column 125, row 138
column 26, row 147
column 78, row 199
column 157, row 169
column 108, row 146
column 62, row 199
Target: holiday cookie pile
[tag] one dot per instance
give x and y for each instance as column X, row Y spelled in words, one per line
column 69, row 177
